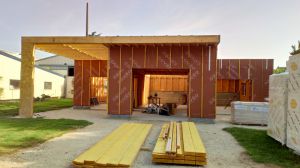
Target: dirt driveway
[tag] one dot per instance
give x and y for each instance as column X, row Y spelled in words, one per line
column 222, row 149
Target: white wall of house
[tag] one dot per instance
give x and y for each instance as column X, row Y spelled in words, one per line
column 10, row 70
column 69, row 87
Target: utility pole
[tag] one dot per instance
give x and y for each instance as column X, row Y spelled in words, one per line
column 87, row 20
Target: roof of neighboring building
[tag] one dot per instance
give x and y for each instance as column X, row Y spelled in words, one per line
column 14, row 57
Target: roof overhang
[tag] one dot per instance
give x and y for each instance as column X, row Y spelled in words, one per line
column 96, row 48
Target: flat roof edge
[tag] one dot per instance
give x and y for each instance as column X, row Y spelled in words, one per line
column 180, row 39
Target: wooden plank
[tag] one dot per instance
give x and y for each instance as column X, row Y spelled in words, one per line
column 198, row 144
column 114, row 153
column 97, row 150
column 174, row 137
column 188, row 145
column 169, row 140
column 134, row 149
column 118, row 149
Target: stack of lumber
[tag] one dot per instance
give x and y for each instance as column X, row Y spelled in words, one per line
column 293, row 113
column 117, row 149
column 252, row 113
column 179, row 143
column 278, row 97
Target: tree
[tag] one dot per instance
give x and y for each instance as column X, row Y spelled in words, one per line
column 295, row 51
column 279, row 70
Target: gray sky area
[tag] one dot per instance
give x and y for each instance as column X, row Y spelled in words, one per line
column 248, row 28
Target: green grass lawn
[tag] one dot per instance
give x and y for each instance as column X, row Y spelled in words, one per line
column 16, row 133
column 12, row 108
column 264, row 149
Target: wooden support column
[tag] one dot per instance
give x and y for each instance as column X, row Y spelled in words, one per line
column 27, row 80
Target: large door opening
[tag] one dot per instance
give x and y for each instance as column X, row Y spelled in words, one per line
column 161, row 87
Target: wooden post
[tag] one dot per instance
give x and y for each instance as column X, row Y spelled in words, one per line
column 27, row 80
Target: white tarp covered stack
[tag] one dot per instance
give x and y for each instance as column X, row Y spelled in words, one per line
column 293, row 114
column 278, row 97
column 249, row 112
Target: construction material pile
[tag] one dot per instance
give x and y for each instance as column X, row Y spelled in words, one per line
column 278, row 97
column 179, row 143
column 118, row 149
column 293, row 113
column 252, row 113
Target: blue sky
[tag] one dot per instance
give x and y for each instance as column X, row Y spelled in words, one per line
column 248, row 28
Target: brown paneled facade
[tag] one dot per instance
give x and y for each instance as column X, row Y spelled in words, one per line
column 85, row 70
column 256, row 71
column 199, row 61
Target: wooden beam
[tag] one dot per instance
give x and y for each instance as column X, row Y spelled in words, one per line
column 27, row 80
column 200, row 39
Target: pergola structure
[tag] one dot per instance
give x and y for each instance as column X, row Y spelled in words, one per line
column 201, row 48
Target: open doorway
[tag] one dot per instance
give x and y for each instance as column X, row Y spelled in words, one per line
column 162, row 88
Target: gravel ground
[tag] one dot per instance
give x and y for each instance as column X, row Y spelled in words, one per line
column 222, row 149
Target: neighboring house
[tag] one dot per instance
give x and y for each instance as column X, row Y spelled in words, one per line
column 58, row 64
column 47, row 82
column 63, row 66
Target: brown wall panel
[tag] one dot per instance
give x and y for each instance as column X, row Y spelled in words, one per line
column 86, row 83
column 103, row 68
column 195, row 81
column 224, row 69
column 176, row 57
column 164, row 57
column 138, row 56
column 186, row 59
column 267, row 71
column 233, row 69
column 77, row 83
column 209, row 81
column 151, row 57
column 95, row 68
column 126, row 73
column 113, row 81
column 257, row 81
column 244, row 66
